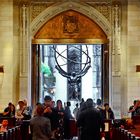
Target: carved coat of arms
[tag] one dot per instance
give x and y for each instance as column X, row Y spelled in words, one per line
column 70, row 24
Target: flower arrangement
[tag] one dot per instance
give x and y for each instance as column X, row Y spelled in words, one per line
column 127, row 123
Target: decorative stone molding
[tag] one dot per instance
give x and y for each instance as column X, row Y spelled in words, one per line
column 116, row 36
column 103, row 7
column 83, row 8
column 70, row 25
column 37, row 8
column 24, row 40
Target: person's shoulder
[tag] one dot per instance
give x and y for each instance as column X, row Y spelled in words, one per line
column 33, row 119
column 110, row 110
column 95, row 110
column 44, row 120
column 29, row 108
column 54, row 109
column 83, row 112
column 90, row 111
column 131, row 106
column 6, row 109
column 39, row 118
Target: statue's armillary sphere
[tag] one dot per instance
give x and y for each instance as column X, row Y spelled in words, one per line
column 62, row 61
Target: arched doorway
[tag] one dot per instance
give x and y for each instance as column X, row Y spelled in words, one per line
column 81, row 30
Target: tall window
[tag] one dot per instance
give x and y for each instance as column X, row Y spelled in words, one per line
column 47, row 70
column 97, row 70
column 92, row 81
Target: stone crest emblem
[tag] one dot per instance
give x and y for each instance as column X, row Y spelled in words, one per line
column 70, row 24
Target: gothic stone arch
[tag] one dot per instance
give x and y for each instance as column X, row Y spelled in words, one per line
column 85, row 9
column 58, row 8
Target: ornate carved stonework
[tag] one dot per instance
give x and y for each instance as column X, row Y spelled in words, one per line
column 85, row 9
column 24, row 39
column 103, row 7
column 37, row 8
column 116, row 35
column 70, row 25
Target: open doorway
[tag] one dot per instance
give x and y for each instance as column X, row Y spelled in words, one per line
column 46, row 80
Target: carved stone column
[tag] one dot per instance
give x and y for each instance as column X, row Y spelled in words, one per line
column 116, row 49
column 24, row 47
column 116, row 58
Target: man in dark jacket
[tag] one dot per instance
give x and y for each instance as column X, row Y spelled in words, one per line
column 90, row 122
column 107, row 113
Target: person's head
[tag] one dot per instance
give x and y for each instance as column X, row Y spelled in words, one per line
column 9, row 104
column 82, row 100
column 106, row 105
column 68, row 104
column 12, row 107
column 38, row 103
column 135, row 101
column 76, row 105
column 47, row 101
column 52, row 104
column 89, row 102
column 25, row 102
column 73, row 74
column 21, row 104
column 99, row 102
column 39, row 110
column 59, row 103
column 83, row 106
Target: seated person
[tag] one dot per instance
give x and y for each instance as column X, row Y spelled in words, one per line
column 27, row 113
column 24, row 112
column 19, row 111
column 9, row 111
